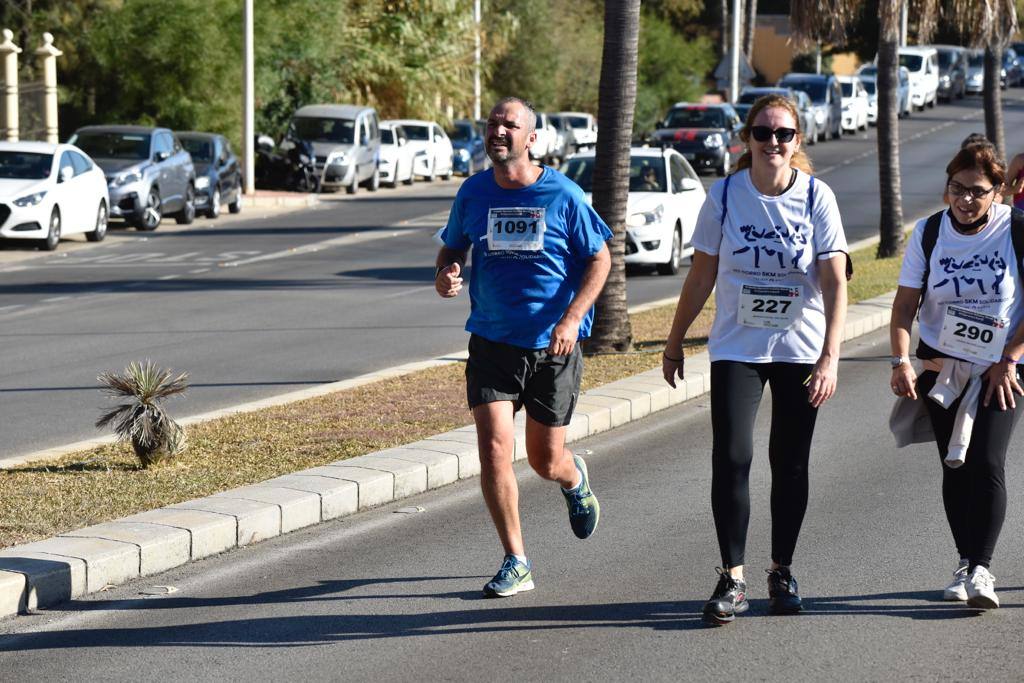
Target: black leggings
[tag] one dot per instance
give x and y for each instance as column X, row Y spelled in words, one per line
column 736, row 390
column 974, row 494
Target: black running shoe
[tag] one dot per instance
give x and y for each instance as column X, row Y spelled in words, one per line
column 728, row 600
column 782, row 592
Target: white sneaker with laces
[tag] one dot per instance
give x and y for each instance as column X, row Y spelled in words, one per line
column 957, row 591
column 981, row 589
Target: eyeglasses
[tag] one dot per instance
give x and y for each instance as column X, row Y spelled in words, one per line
column 957, row 190
column 764, row 134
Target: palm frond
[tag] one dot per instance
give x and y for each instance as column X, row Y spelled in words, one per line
column 983, row 23
column 825, row 21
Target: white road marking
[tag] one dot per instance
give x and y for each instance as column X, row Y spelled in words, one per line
column 198, row 271
column 55, row 298
column 11, row 308
column 354, row 238
column 169, row 277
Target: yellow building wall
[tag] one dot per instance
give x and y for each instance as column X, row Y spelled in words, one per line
column 773, row 52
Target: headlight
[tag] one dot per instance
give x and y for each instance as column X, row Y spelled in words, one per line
column 944, row 80
column 463, row 155
column 713, row 141
column 819, row 116
column 637, row 220
column 126, row 178
column 30, row 199
column 202, row 182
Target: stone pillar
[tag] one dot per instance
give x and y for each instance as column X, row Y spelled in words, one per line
column 9, row 52
column 48, row 53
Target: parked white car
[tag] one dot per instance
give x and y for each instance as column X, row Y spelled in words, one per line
column 396, row 155
column 584, row 128
column 431, row 147
column 855, row 104
column 665, row 196
column 923, row 65
column 47, row 191
column 547, row 140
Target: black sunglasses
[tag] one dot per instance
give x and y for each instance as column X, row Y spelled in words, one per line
column 764, row 134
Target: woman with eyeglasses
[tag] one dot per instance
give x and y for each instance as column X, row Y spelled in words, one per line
column 769, row 241
column 961, row 276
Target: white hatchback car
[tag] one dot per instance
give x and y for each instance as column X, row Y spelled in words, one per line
column 431, row 146
column 48, row 190
column 396, row 155
column 855, row 104
column 665, row 196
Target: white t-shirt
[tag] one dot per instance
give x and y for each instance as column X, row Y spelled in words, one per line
column 772, row 243
column 975, row 272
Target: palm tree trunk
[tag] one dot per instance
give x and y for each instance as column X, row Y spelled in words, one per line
column 994, row 98
column 749, row 30
column 617, row 95
column 890, row 223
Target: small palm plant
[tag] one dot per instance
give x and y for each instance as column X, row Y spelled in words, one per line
column 142, row 420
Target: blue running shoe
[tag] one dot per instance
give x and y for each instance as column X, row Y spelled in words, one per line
column 513, row 577
column 584, row 510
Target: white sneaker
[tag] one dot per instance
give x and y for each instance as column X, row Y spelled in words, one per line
column 981, row 589
column 957, row 591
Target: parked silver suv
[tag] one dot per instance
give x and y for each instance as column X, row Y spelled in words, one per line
column 148, row 173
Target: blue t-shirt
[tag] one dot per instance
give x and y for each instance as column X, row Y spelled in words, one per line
column 530, row 248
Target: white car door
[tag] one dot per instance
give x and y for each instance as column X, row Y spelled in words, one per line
column 68, row 195
column 688, row 195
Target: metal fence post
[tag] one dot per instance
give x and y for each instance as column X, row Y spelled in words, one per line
column 10, row 56
column 49, row 55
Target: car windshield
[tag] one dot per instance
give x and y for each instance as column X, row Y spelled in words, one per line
column 386, row 137
column 814, row 89
column 201, row 150
column 751, row 97
column 870, row 70
column 945, row 58
column 113, row 145
column 646, row 174
column 695, row 117
column 417, row 132
column 976, row 60
column 324, row 130
column 869, row 86
column 847, row 89
column 461, row 132
column 912, row 62
column 578, row 121
column 25, row 165
column 742, row 110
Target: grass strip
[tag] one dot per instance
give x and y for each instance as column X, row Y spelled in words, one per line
column 39, row 500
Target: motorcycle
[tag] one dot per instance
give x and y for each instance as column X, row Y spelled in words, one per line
column 291, row 167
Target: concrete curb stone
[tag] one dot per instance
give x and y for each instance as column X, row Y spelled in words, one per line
column 44, row 573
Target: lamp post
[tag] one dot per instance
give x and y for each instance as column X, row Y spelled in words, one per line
column 476, row 61
column 248, row 106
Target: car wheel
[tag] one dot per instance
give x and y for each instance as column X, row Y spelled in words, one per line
column 53, row 235
column 151, row 216
column 236, row 206
column 100, row 231
column 214, row 210
column 433, row 172
column 724, row 168
column 412, row 176
column 374, row 183
column 353, row 187
column 188, row 212
column 450, row 173
column 812, row 138
column 675, row 258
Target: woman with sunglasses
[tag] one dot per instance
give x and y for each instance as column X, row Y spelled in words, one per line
column 769, row 241
column 967, row 294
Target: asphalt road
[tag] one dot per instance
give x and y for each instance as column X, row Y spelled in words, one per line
column 386, row 595
column 259, row 306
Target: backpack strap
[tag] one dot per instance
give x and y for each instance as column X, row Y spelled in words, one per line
column 725, row 198
column 810, row 197
column 928, row 239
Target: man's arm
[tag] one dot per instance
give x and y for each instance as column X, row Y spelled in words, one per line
column 563, row 338
column 448, row 277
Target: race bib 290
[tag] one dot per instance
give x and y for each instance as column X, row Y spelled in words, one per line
column 972, row 334
column 518, row 228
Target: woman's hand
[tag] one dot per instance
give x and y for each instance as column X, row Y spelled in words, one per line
column 904, row 381
column 821, row 385
column 672, row 366
column 1002, row 381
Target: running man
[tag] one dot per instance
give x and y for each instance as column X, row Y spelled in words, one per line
column 539, row 263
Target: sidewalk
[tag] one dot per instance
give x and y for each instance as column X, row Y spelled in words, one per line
column 44, row 573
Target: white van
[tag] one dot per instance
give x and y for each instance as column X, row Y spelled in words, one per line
column 346, row 142
column 923, row 65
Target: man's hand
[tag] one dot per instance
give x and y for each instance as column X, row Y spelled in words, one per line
column 563, row 338
column 448, row 282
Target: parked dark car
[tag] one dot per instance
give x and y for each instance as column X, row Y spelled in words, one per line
column 1013, row 71
column 149, row 174
column 706, row 134
column 952, row 72
column 827, row 96
column 469, row 154
column 803, row 105
column 218, row 173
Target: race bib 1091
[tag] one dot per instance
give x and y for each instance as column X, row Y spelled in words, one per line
column 518, row 228
column 975, row 335
column 771, row 307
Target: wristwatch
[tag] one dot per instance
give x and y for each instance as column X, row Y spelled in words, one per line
column 896, row 361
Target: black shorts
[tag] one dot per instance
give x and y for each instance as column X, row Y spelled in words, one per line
column 547, row 386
